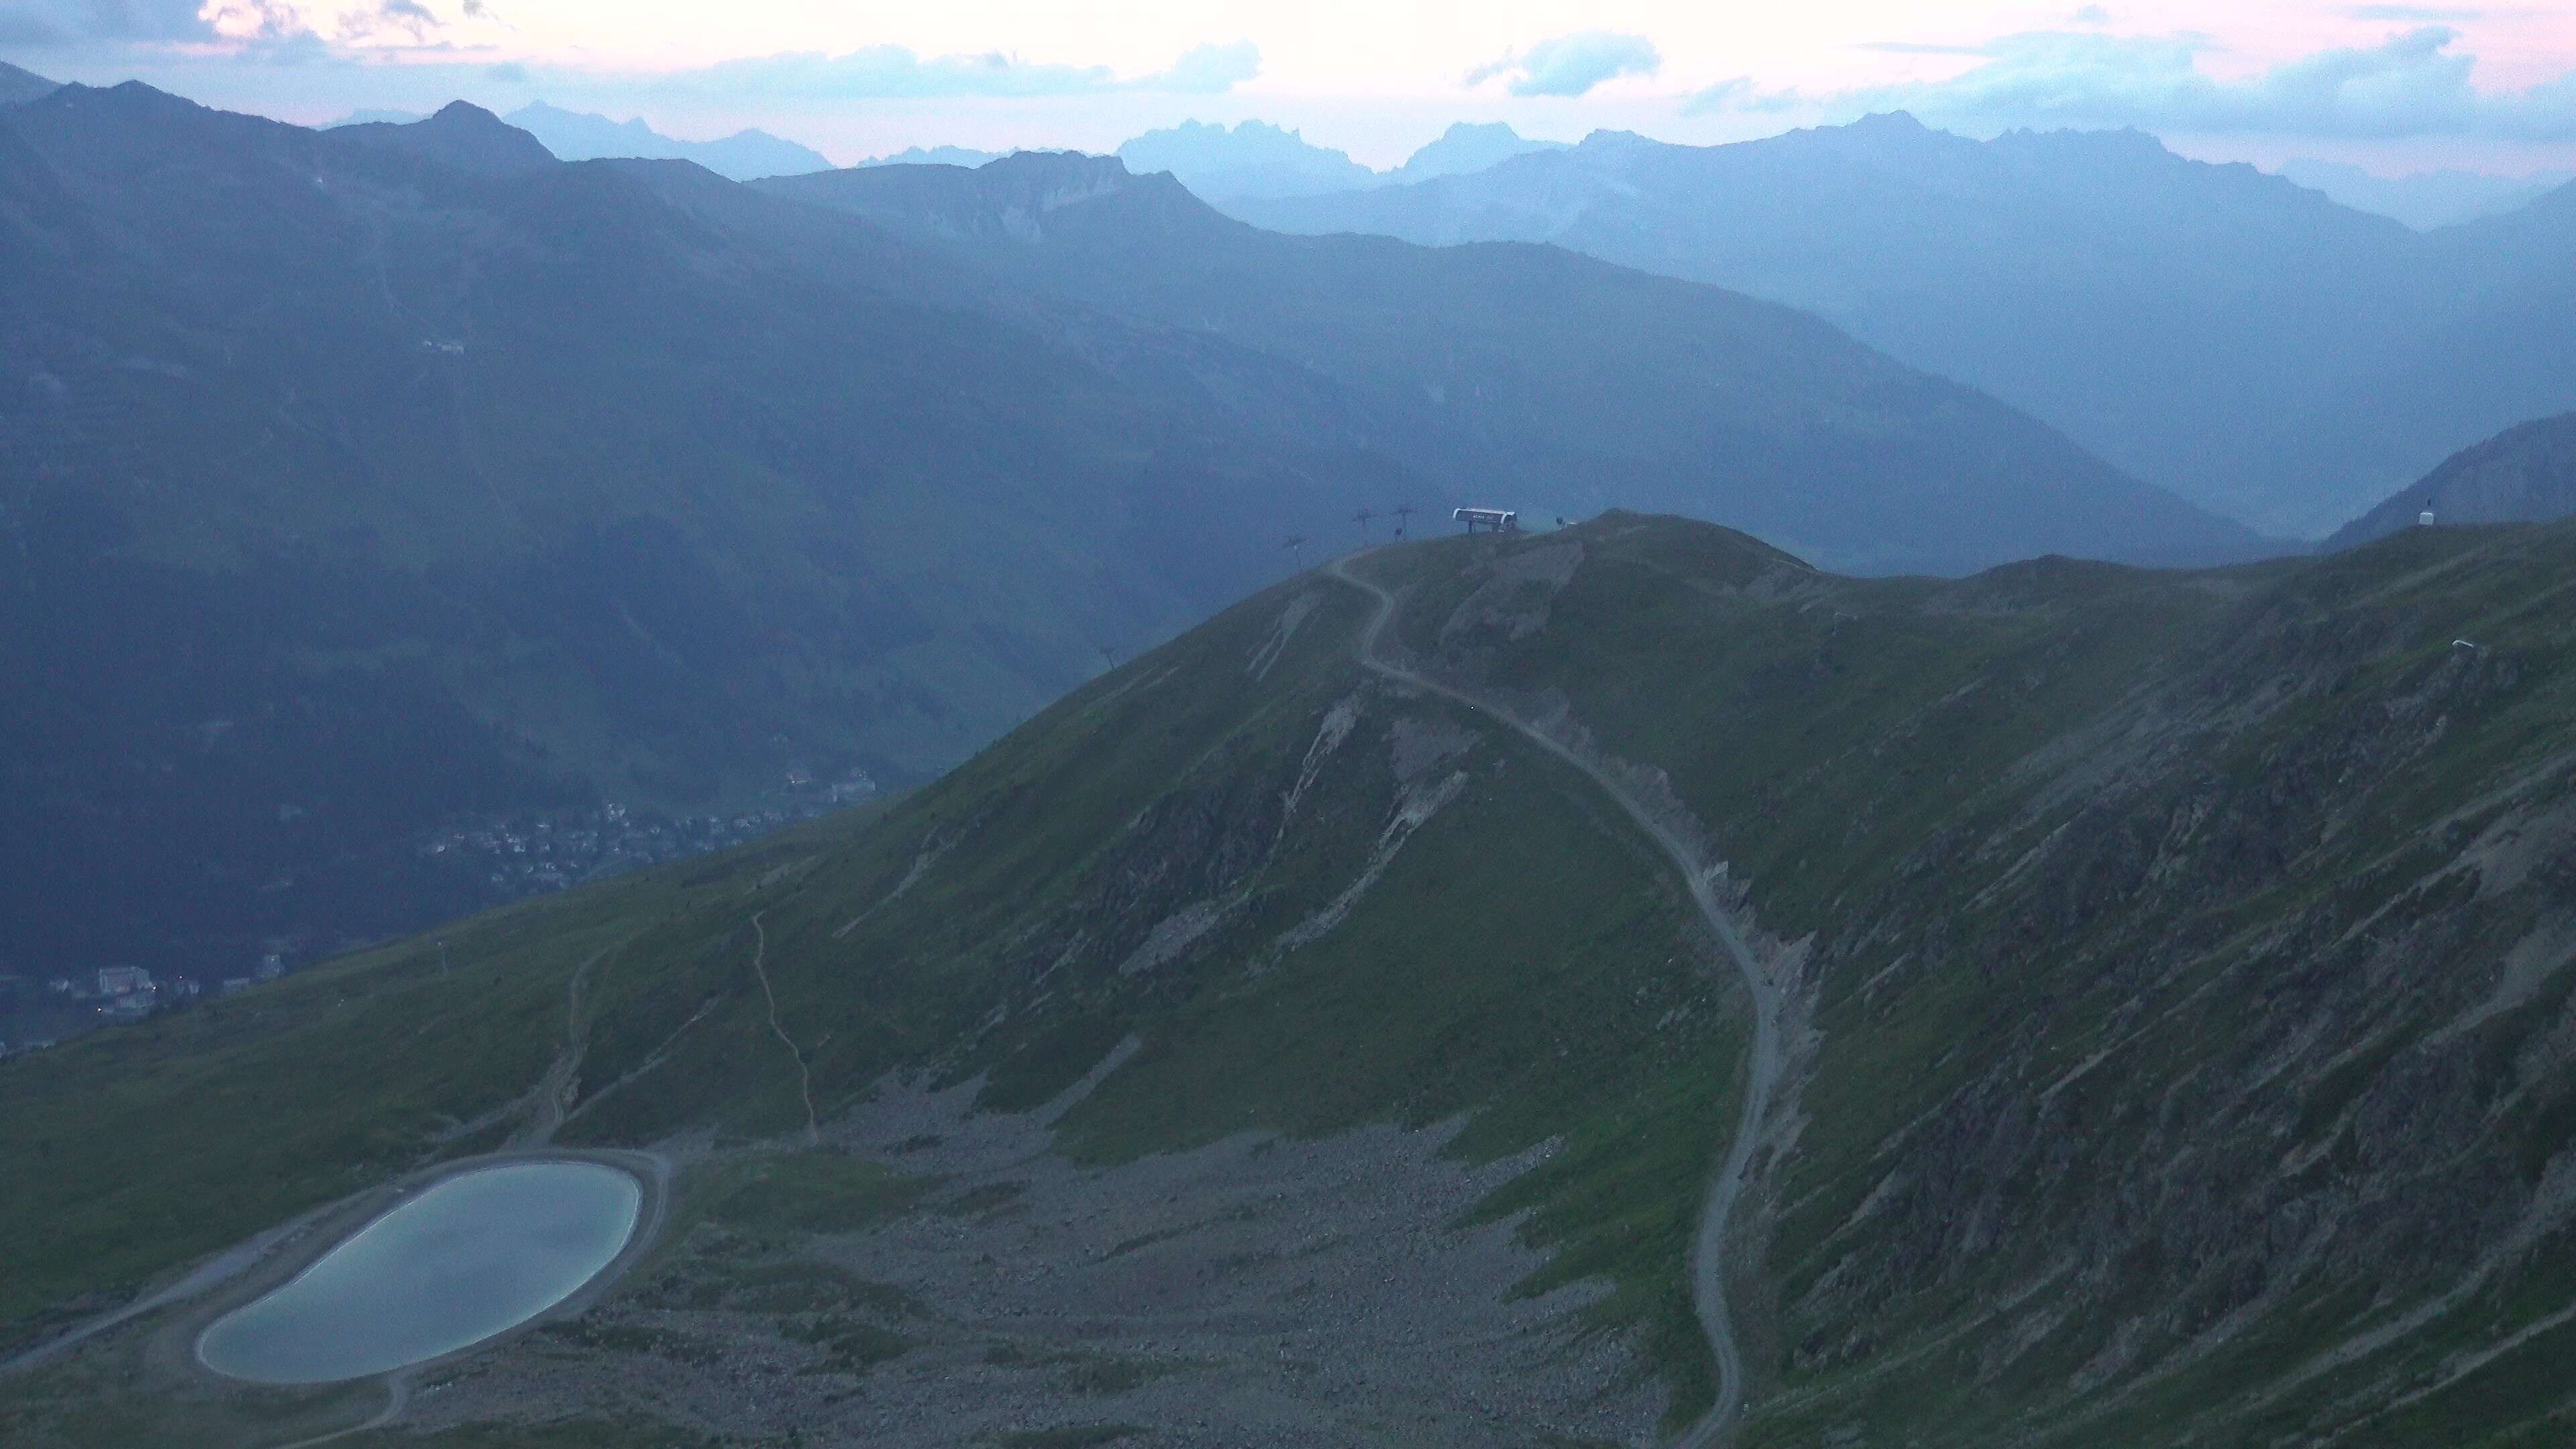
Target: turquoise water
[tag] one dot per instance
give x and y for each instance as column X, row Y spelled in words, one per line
column 471, row 1256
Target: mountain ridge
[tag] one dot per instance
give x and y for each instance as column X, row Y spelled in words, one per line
column 2247, row 342
column 20, row 86
column 1537, row 381
column 743, row 156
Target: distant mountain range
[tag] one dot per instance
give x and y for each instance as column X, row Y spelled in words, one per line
column 2425, row 200
column 364, row 480
column 2244, row 341
column 936, row 156
column 1254, row 158
column 1538, row 377
column 1258, row 161
column 743, row 156
column 581, row 136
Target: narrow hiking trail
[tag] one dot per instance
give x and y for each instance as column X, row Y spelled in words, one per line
column 1767, row 1059
column 804, row 1078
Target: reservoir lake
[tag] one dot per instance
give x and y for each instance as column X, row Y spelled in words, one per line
column 470, row 1256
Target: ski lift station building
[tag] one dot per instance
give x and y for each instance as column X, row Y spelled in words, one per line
column 1494, row 520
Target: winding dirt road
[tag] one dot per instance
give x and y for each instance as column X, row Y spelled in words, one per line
column 1767, row 1060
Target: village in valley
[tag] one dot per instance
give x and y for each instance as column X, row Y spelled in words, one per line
column 516, row 856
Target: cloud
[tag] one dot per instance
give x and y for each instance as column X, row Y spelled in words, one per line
column 2091, row 15
column 22, row 27
column 407, row 16
column 1916, row 47
column 1208, row 70
column 1741, row 96
column 1571, row 65
column 2414, row 14
column 2414, row 84
column 290, row 31
column 895, row 72
column 76, row 22
column 508, row 73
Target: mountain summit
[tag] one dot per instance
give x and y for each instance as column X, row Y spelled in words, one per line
column 464, row 136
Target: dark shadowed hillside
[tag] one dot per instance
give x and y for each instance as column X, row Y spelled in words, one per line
column 365, row 482
column 2157, row 987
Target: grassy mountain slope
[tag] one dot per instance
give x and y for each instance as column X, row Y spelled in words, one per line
column 2178, row 968
column 2525, row 474
column 1553, row 382
column 2243, row 341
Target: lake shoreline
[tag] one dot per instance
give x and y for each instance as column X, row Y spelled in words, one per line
column 170, row 1353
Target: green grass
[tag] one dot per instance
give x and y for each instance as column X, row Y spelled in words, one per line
column 1069, row 1436
column 1897, row 767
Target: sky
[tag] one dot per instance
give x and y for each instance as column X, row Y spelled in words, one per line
column 2394, row 88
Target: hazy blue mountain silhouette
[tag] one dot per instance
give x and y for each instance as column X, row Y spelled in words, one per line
column 743, row 156
column 1556, row 382
column 1252, row 159
column 2525, row 474
column 2242, row 340
column 1468, row 147
column 2423, row 200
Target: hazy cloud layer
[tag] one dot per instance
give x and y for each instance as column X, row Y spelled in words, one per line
column 47, row 23
column 1571, row 65
column 248, row 29
column 2413, row 85
column 894, row 72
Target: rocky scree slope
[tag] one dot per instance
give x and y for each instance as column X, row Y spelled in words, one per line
column 2181, row 969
